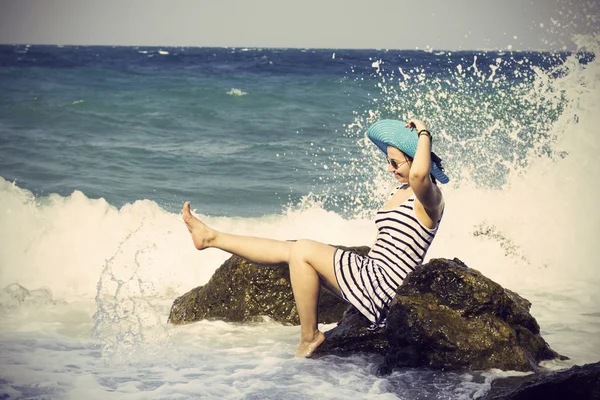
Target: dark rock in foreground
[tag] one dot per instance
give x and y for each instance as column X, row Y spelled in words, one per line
column 451, row 317
column 444, row 316
column 353, row 335
column 242, row 291
column 579, row 382
column 447, row 316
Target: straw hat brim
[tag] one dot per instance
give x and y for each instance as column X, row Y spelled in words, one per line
column 388, row 132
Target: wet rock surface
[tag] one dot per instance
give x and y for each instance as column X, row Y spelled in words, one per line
column 353, row 335
column 444, row 316
column 447, row 316
column 578, row 382
column 242, row 291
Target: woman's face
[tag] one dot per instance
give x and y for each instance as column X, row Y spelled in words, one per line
column 398, row 164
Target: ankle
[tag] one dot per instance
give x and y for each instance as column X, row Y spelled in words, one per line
column 309, row 336
column 212, row 237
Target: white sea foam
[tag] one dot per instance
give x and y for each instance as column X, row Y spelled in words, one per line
column 236, row 92
column 64, row 242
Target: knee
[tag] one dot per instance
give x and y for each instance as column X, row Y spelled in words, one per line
column 300, row 249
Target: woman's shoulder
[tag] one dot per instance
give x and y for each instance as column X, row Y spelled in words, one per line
column 395, row 188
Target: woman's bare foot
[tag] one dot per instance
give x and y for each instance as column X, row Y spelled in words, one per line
column 202, row 235
column 306, row 348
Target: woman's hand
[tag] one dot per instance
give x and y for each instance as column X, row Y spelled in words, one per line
column 416, row 124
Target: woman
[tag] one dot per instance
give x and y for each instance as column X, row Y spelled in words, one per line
column 406, row 224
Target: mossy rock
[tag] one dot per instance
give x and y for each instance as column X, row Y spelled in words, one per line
column 446, row 316
column 242, row 291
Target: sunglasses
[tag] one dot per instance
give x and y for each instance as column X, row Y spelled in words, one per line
column 396, row 165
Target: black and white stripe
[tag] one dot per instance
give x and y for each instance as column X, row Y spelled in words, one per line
column 370, row 282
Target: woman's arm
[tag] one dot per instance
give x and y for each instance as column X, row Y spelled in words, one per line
column 419, row 176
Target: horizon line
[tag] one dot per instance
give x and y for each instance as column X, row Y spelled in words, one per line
column 426, row 50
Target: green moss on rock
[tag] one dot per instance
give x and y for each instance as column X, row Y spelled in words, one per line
column 242, row 291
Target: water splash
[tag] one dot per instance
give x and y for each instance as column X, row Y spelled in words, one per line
column 15, row 295
column 493, row 114
column 127, row 321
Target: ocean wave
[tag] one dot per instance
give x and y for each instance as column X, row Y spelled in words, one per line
column 64, row 243
column 236, row 92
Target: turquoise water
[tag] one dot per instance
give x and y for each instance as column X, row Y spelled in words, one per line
column 244, row 132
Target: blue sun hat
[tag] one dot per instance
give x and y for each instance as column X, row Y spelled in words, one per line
column 389, row 132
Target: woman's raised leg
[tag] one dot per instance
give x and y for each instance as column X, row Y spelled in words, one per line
column 259, row 250
column 310, row 262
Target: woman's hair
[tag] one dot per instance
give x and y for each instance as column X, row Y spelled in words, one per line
column 438, row 162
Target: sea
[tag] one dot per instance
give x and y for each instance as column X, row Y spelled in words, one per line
column 100, row 146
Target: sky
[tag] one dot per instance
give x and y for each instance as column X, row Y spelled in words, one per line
column 380, row 24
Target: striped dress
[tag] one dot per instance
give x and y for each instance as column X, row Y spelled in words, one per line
column 370, row 282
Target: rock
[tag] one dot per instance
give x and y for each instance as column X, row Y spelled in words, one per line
column 353, row 335
column 242, row 291
column 579, row 382
column 448, row 316
column 444, row 316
